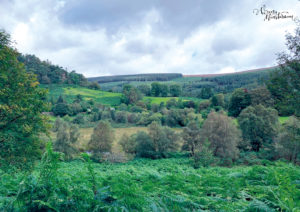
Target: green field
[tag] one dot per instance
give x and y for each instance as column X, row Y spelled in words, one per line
column 157, row 185
column 70, row 92
column 283, row 119
column 103, row 97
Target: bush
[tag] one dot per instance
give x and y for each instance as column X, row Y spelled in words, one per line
column 164, row 139
column 259, row 126
column 144, row 148
column 222, row 134
column 288, row 140
column 61, row 109
column 203, row 156
column 121, row 117
column 133, row 118
column 79, row 119
column 101, row 140
column 128, row 144
column 204, row 105
column 65, row 137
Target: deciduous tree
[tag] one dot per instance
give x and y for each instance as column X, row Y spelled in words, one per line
column 240, row 99
column 259, row 125
column 21, row 105
column 102, row 139
column 222, row 134
column 288, row 141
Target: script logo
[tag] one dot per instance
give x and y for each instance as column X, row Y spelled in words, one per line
column 275, row 15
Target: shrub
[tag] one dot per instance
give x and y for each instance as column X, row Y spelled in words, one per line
column 163, row 139
column 259, row 125
column 106, row 115
column 63, row 141
column 175, row 90
column 101, row 140
column 288, row 140
column 79, row 119
column 203, row 156
column 136, row 109
column 218, row 100
column 61, row 109
column 128, row 144
column 121, row 117
column 204, row 105
column 133, row 118
column 222, row 134
column 144, row 146
column 191, row 136
column 75, row 108
column 57, row 124
column 240, row 99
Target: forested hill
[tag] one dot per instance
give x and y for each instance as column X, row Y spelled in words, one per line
column 48, row 73
column 136, row 77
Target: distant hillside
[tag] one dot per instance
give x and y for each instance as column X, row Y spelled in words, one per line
column 240, row 72
column 136, row 77
column 191, row 84
column 47, row 73
column 226, row 83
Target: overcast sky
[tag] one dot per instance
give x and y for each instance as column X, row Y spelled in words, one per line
column 109, row 37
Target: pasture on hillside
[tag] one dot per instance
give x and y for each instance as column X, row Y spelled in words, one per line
column 69, row 92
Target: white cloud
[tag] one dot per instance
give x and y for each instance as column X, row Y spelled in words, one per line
column 150, row 42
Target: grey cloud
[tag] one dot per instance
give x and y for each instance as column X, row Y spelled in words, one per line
column 101, row 37
column 179, row 17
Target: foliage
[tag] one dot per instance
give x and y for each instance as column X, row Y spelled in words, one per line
column 261, row 95
column 94, row 85
column 101, row 139
column 218, row 100
column 240, row 99
column 61, row 109
column 144, row 145
column 70, row 93
column 136, row 77
column 222, row 134
column 284, row 84
column 48, row 73
column 191, row 137
column 206, row 93
column 154, row 185
column 128, row 143
column 144, row 89
column 288, row 141
column 259, row 125
column 65, row 138
column 175, row 90
column 164, row 139
column 21, row 105
column 203, row 155
column 131, row 95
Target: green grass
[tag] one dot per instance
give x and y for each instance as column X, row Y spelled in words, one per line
column 158, row 100
column 70, row 92
column 103, row 97
column 283, row 119
column 163, row 185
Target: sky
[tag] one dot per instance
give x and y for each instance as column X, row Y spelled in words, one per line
column 113, row 37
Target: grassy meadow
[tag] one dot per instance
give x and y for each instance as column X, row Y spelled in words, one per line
column 102, row 97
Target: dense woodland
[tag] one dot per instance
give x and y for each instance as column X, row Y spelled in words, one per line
column 225, row 143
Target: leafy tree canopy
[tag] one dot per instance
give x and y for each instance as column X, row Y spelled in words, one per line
column 21, row 105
